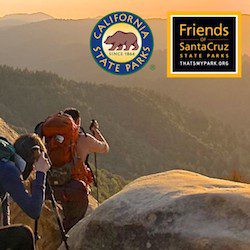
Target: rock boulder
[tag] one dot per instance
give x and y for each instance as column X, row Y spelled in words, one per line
column 171, row 210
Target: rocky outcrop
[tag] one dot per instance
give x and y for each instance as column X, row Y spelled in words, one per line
column 48, row 228
column 7, row 131
column 171, row 210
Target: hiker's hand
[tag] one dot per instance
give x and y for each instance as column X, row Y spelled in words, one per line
column 42, row 164
column 94, row 126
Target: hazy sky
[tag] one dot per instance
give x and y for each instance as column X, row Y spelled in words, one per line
column 92, row 8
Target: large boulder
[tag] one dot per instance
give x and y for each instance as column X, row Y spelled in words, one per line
column 171, row 210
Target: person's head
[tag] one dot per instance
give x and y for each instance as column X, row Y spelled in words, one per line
column 74, row 113
column 29, row 147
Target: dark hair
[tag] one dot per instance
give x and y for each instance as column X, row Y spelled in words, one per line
column 24, row 146
column 74, row 113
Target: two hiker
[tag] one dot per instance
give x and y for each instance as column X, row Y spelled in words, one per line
column 68, row 147
column 16, row 163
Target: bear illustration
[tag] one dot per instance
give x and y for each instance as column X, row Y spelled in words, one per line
column 120, row 38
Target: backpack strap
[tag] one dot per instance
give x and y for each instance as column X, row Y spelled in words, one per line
column 88, row 165
column 38, row 129
column 4, row 139
column 81, row 130
column 87, row 158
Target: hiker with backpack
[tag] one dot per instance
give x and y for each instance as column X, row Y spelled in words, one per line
column 68, row 148
column 16, row 164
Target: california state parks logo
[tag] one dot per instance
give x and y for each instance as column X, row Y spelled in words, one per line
column 121, row 43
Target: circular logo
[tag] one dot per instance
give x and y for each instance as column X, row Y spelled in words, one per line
column 121, row 43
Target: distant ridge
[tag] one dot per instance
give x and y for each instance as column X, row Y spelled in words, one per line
column 21, row 15
column 23, row 18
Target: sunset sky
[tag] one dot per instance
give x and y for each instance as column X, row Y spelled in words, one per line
column 77, row 9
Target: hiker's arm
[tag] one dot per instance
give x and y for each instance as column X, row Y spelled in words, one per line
column 97, row 146
column 98, row 135
column 30, row 204
column 100, row 145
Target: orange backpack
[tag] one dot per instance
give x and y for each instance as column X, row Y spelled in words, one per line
column 61, row 133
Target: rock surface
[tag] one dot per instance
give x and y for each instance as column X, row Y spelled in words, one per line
column 171, row 210
column 48, row 228
column 6, row 131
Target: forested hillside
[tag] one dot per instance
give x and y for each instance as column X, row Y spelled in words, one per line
column 108, row 184
column 62, row 46
column 147, row 132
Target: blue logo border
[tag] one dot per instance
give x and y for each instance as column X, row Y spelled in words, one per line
column 126, row 73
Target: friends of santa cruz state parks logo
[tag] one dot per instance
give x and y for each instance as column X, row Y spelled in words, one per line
column 121, row 43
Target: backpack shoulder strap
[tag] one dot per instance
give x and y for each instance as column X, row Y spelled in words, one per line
column 38, row 129
column 87, row 158
column 85, row 134
column 5, row 139
column 88, row 165
column 82, row 131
